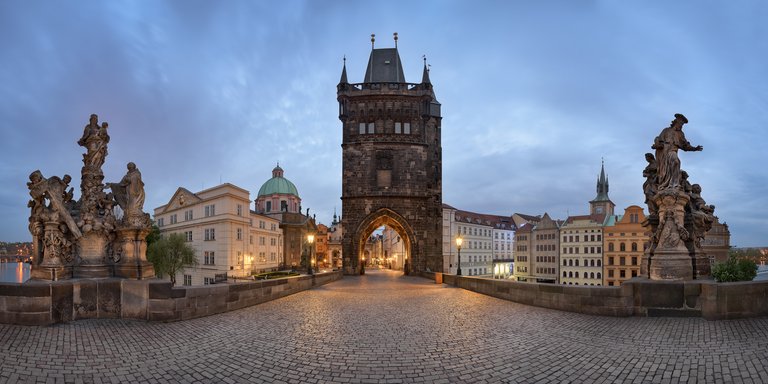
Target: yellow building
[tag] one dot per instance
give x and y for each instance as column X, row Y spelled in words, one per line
column 625, row 240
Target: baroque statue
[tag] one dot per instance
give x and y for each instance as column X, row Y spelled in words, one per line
column 83, row 238
column 678, row 217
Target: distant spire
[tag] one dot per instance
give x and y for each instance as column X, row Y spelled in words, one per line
column 373, row 39
column 425, row 75
column 395, row 35
column 344, row 72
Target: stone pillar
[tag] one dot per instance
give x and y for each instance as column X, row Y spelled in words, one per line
column 131, row 246
column 93, row 256
column 55, row 248
column 671, row 259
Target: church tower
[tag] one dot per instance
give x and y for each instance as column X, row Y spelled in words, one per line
column 601, row 204
column 392, row 162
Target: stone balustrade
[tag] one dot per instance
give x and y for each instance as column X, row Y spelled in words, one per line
column 44, row 302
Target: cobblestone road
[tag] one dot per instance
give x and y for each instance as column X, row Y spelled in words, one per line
column 387, row 328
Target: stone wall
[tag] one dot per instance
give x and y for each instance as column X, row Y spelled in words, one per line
column 636, row 297
column 44, row 303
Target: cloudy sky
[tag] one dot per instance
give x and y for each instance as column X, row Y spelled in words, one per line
column 534, row 95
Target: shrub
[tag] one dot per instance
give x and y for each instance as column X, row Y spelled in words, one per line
column 735, row 269
column 273, row 275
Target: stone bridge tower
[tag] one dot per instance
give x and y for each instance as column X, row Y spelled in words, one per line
column 392, row 162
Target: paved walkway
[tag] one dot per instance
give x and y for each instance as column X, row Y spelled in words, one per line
column 387, row 328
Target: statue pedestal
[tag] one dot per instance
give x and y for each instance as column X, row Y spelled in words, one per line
column 93, row 260
column 53, row 273
column 131, row 245
column 671, row 266
column 701, row 266
column 671, row 259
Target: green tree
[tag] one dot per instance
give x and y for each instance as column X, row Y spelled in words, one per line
column 740, row 266
column 171, row 254
column 154, row 234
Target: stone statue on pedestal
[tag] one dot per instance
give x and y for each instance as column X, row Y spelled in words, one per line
column 678, row 216
column 83, row 238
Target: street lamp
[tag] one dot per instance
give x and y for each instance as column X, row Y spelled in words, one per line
column 459, row 240
column 310, row 240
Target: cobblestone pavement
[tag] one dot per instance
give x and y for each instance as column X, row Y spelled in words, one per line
column 388, row 328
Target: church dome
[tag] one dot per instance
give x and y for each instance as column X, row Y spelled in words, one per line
column 278, row 185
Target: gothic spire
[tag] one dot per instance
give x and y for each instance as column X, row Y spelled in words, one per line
column 344, row 72
column 425, row 75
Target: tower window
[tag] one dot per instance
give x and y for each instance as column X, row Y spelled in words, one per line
column 362, row 128
column 407, row 128
column 371, row 127
column 398, row 127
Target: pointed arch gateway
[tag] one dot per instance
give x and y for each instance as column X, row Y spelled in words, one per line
column 381, row 217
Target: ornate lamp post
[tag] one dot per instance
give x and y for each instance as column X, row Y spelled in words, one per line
column 459, row 240
column 310, row 261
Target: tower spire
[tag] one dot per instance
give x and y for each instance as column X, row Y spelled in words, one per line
column 395, row 35
column 373, row 39
column 344, row 72
column 425, row 75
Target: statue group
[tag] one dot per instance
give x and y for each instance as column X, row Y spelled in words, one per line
column 100, row 235
column 678, row 216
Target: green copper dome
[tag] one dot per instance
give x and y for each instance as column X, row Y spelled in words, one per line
column 278, row 185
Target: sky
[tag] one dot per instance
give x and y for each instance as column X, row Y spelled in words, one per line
column 534, row 96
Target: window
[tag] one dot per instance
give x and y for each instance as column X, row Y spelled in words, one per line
column 622, row 273
column 283, row 206
column 269, row 206
column 371, row 127
column 634, row 247
column 187, row 279
column 208, row 280
column 261, row 240
column 610, row 260
column 634, row 260
column 210, row 234
column 599, row 238
column 173, row 219
column 210, row 210
column 362, row 129
column 599, row 275
column 407, row 128
column 239, row 209
column 188, row 236
column 398, row 127
column 188, row 215
column 622, row 261
column 610, row 273
column 610, row 247
column 273, row 241
column 239, row 233
column 250, row 239
column 160, row 222
column 209, row 258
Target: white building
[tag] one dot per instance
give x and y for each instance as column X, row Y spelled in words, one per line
column 228, row 238
column 581, row 250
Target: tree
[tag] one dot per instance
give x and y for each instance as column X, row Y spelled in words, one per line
column 154, row 234
column 171, row 254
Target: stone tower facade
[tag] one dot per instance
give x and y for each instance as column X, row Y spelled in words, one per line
column 392, row 162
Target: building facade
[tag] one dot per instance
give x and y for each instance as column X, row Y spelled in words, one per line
column 581, row 250
column 545, row 250
column 228, row 238
column 625, row 241
column 391, row 162
column 522, row 245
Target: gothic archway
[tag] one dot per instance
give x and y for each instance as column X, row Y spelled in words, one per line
column 381, row 217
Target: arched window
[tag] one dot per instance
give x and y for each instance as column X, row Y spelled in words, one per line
column 598, row 262
column 570, row 274
column 577, row 274
column 591, row 275
column 577, row 262
column 592, row 263
column 610, row 247
column 622, row 247
column 599, row 276
column 565, row 262
column 634, row 247
column 570, row 262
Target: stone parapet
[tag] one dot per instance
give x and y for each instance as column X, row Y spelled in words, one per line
column 46, row 302
column 635, row 297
